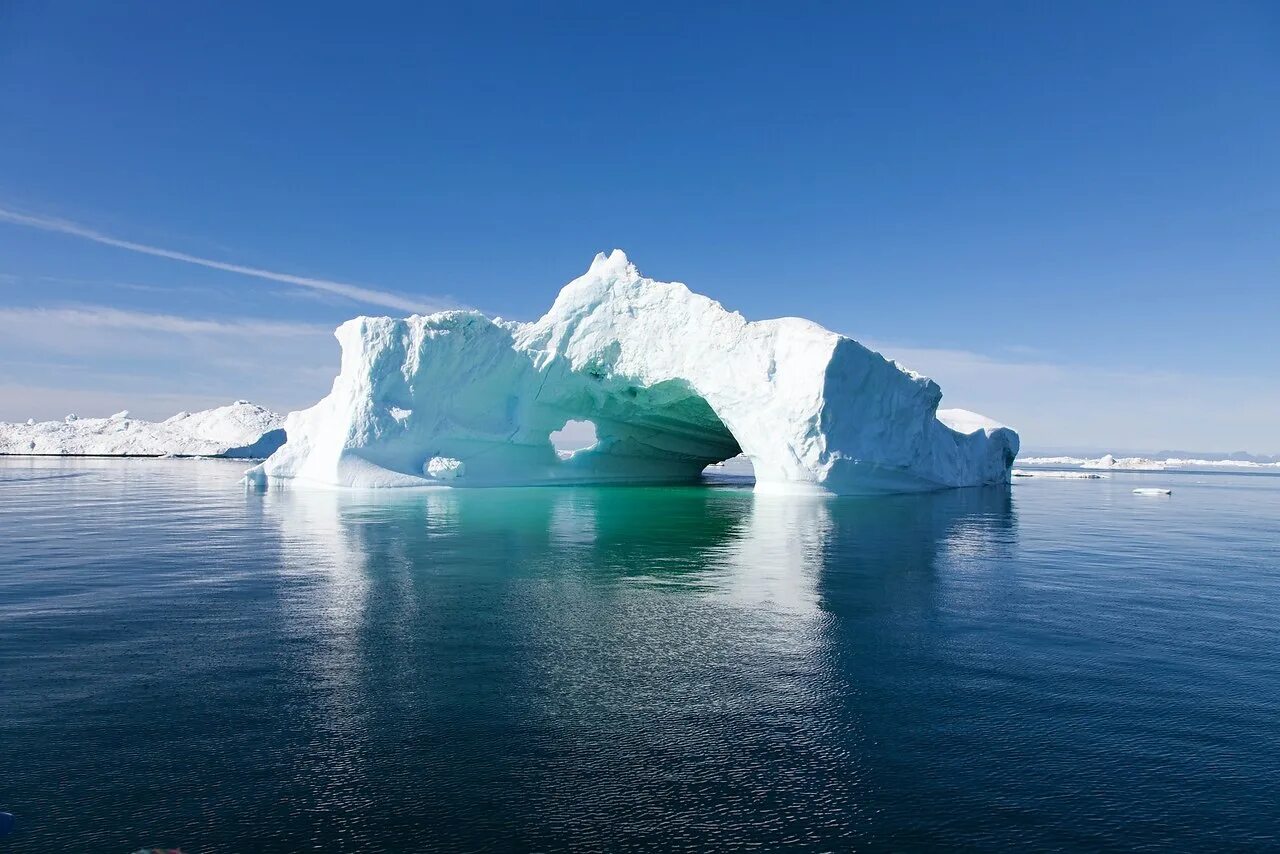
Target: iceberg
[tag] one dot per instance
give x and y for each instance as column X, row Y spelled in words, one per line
column 241, row 430
column 670, row 379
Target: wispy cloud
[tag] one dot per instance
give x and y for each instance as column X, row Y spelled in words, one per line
column 89, row 358
column 354, row 292
column 14, row 279
column 52, row 401
column 105, row 317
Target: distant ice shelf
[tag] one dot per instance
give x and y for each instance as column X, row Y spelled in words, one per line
column 1108, row 461
column 671, row 381
column 240, row 430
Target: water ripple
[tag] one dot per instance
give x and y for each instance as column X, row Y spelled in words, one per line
column 187, row 664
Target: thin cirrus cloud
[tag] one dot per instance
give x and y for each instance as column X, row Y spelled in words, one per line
column 113, row 318
column 354, row 292
column 98, row 359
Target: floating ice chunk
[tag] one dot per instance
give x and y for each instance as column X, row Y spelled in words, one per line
column 1060, row 475
column 1150, row 490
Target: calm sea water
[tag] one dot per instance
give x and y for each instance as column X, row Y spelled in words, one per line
column 1059, row 665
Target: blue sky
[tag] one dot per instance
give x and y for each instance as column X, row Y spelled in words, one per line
column 1068, row 214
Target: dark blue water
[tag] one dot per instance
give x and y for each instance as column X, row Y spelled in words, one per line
column 1061, row 665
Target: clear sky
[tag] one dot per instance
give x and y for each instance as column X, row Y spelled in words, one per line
column 1068, row 214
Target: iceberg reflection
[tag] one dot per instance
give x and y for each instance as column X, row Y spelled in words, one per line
column 584, row 645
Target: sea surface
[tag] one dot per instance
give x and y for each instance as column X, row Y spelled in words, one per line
column 1058, row 665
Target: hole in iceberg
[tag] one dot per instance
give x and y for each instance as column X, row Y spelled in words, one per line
column 574, row 436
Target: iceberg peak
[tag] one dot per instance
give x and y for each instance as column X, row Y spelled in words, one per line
column 614, row 261
column 671, row 381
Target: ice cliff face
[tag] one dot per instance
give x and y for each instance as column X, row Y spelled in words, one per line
column 241, row 430
column 672, row 381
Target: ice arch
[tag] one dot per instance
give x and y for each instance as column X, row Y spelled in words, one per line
column 671, row 380
column 664, row 432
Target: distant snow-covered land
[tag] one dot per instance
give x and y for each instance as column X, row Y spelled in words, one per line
column 241, row 429
column 1108, row 461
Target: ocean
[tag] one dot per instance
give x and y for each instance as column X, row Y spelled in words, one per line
column 1060, row 664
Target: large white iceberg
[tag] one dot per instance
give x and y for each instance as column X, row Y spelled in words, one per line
column 671, row 380
column 241, row 430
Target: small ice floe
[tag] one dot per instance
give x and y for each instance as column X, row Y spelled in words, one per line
column 1064, row 475
column 1152, row 490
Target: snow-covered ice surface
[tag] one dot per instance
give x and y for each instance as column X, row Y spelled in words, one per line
column 964, row 421
column 241, row 430
column 672, row 381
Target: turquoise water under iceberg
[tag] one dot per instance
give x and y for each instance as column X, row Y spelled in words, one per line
column 1063, row 663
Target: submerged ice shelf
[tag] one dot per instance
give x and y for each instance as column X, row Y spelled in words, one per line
column 671, row 381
